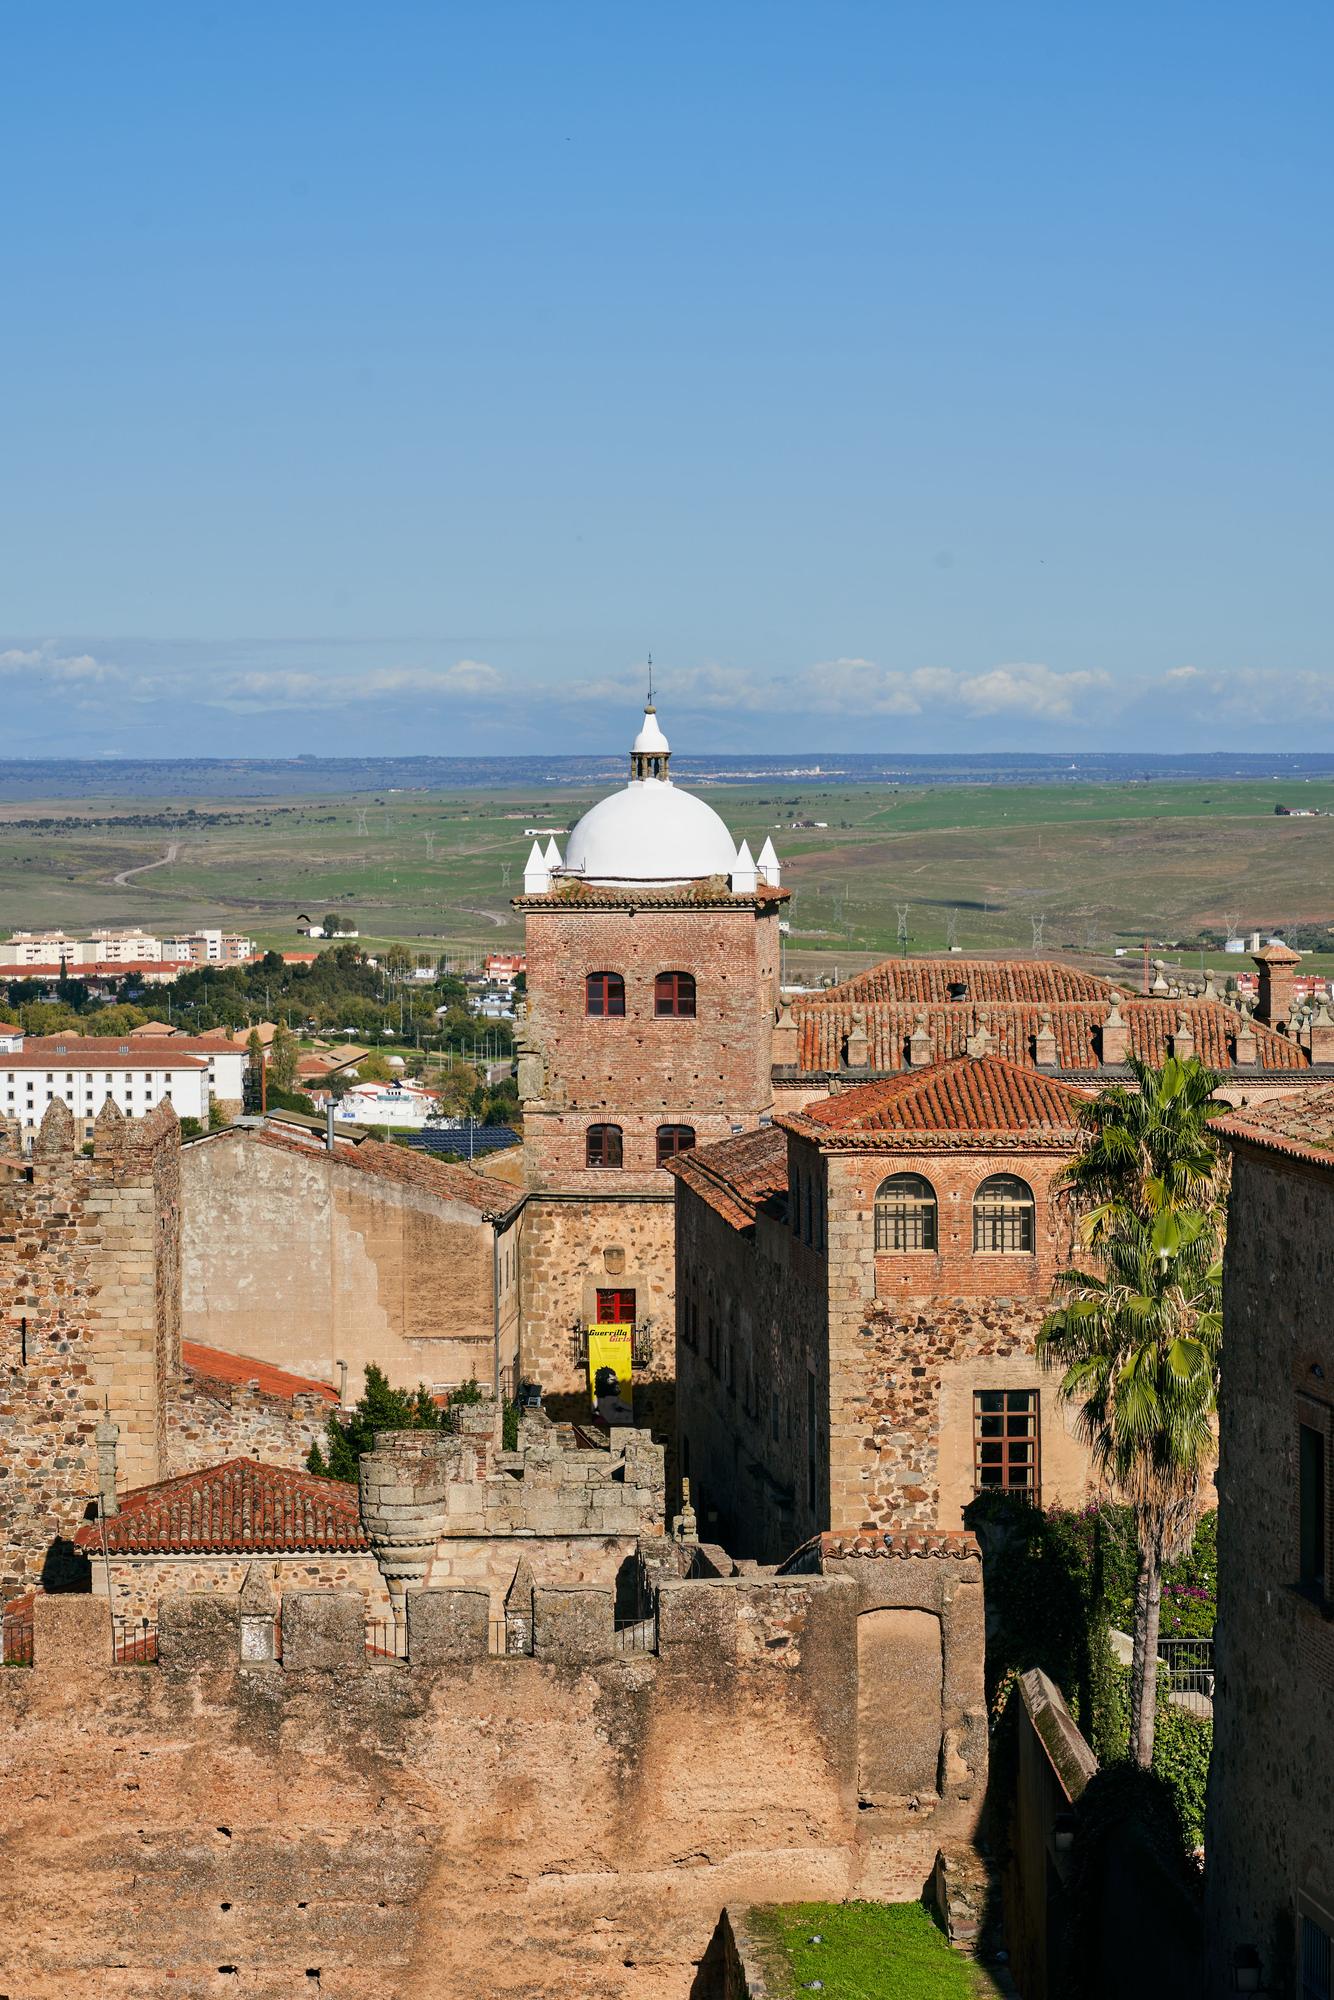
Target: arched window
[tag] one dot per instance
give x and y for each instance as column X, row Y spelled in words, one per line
column 1003, row 1216
column 674, row 994
column 905, row 1213
column 674, row 1139
column 604, row 993
column 604, row 1147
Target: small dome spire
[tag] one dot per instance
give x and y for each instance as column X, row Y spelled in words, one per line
column 650, row 752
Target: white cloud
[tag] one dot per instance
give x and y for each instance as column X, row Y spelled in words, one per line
column 46, row 663
column 280, row 687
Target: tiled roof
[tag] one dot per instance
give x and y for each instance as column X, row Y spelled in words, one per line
column 240, row 1507
column 823, row 1026
column 1301, row 1126
column 710, row 893
column 736, row 1176
column 979, row 1096
column 491, row 1198
column 1009, row 979
column 223, row 1367
column 90, row 1055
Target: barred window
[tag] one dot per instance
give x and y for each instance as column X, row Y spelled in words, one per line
column 905, row 1213
column 604, row 993
column 1003, row 1216
column 674, row 1139
column 604, row 1148
column 674, row 994
column 1005, row 1440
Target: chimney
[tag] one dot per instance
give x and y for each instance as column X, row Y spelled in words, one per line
column 1183, row 1038
column 105, row 1436
column 919, row 1044
column 1044, row 1044
column 1275, row 966
column 857, row 1047
column 1320, row 1034
column 1243, row 1043
column 1114, row 1037
column 785, row 1045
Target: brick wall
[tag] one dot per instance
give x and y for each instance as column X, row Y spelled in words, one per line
column 1270, row 1831
column 88, row 1318
column 712, row 1072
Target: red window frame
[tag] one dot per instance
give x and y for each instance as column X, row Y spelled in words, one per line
column 1007, row 1441
column 604, row 994
column 674, row 1139
column 604, row 1147
column 674, row 996
column 616, row 1306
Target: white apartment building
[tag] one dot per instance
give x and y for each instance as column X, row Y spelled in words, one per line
column 32, row 1077
column 50, row 952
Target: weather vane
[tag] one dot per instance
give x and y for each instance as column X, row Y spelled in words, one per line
column 650, row 680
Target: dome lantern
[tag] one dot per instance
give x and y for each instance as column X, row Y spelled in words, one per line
column 650, row 753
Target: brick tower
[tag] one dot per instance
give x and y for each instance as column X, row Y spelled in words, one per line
column 652, row 995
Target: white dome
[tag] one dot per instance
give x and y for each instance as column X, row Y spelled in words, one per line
column 650, row 832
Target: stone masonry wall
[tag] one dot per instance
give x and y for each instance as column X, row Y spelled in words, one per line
column 210, row 1421
column 570, row 1248
column 139, row 1583
column 86, row 1321
column 635, row 1070
column 293, row 1258
column 1270, row 1828
column 567, row 1825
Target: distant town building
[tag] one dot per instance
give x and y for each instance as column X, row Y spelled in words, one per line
column 502, row 968
column 83, row 1073
column 56, row 954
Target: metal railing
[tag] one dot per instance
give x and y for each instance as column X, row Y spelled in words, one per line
column 641, row 1343
column 17, row 1646
column 1189, row 1664
column 636, row 1635
column 133, row 1642
column 385, row 1639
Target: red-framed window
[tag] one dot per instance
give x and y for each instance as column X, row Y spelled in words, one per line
column 1005, row 1440
column 604, row 993
column 674, row 995
column 604, row 1146
column 674, row 1139
column 616, row 1307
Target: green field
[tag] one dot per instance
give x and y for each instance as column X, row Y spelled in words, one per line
column 1067, row 869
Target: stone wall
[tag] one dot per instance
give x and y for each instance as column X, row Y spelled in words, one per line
column 210, row 1420
column 140, row 1583
column 89, row 1292
column 296, row 1257
column 1270, row 1829
column 562, row 1825
column 571, row 1245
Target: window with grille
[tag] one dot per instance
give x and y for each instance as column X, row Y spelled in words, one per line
column 604, row 993
column 674, row 1139
column 616, row 1307
column 1003, row 1216
column 1005, row 1440
column 905, row 1213
column 674, row 994
column 604, row 1146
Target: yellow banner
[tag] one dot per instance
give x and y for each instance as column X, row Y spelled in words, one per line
column 609, row 1372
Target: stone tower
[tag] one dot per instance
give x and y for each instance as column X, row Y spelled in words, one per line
column 653, row 964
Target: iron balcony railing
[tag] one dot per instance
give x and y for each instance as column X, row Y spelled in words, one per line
column 133, row 1641
column 1189, row 1664
column 17, row 1647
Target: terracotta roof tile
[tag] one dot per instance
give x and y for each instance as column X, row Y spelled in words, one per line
column 223, row 1367
column 823, row 1026
column 1009, row 979
column 240, row 1507
column 979, row 1095
column 736, row 1176
column 1302, row 1126
column 710, row 893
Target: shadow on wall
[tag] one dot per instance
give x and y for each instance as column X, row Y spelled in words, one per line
column 66, row 1571
column 655, row 1411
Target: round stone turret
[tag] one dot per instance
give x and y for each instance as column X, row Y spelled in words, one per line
column 404, row 1485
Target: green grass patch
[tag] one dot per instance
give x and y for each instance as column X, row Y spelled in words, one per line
column 868, row 1951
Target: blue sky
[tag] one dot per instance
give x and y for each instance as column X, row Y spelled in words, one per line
column 903, row 376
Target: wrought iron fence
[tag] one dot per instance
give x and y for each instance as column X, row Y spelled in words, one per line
column 133, row 1641
column 636, row 1635
column 641, row 1343
column 1189, row 1664
column 17, row 1648
column 385, row 1639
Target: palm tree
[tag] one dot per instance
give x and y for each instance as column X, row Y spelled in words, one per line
column 1137, row 1335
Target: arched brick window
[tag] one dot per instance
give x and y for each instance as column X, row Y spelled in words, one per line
column 604, row 1146
column 905, row 1213
column 604, row 993
column 1003, row 1216
column 674, row 994
column 674, row 1139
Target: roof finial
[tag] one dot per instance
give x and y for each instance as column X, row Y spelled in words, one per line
column 649, row 702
